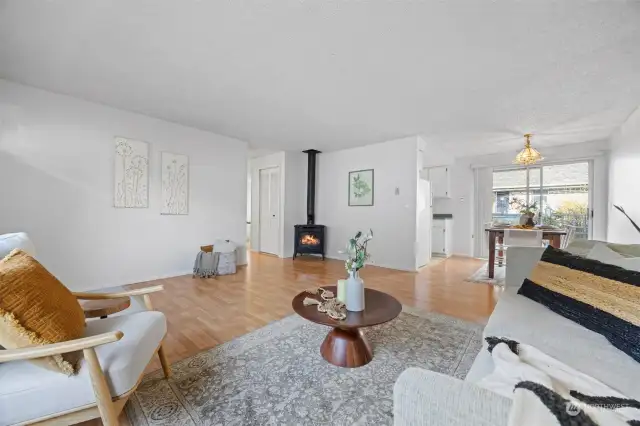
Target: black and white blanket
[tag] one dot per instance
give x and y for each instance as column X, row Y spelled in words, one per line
column 547, row 392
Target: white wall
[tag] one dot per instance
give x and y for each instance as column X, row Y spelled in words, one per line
column 624, row 181
column 56, row 169
column 392, row 217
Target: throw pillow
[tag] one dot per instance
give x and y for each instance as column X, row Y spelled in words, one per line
column 36, row 309
column 603, row 298
column 604, row 254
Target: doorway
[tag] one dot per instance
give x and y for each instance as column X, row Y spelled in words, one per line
column 269, row 190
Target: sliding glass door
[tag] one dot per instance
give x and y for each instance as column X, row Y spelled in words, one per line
column 560, row 191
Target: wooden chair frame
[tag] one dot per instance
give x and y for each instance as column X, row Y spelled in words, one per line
column 106, row 407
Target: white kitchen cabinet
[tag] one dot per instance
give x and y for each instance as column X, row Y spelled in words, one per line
column 441, row 237
column 440, row 181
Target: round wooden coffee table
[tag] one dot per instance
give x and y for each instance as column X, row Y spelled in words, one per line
column 346, row 345
column 101, row 308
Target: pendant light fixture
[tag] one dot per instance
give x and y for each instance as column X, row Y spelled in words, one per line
column 528, row 155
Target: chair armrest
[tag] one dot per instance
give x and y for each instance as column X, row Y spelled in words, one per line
column 59, row 348
column 427, row 398
column 117, row 295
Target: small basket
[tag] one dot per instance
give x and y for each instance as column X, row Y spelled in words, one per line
column 206, row 249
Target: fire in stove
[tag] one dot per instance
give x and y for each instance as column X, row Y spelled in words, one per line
column 309, row 240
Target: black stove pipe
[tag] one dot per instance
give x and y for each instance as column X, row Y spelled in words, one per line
column 311, row 185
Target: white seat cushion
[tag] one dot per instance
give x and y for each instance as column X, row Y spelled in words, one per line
column 30, row 392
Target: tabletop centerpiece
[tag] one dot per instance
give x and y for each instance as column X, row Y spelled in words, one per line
column 527, row 211
column 357, row 255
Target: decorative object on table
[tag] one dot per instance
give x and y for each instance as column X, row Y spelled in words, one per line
column 328, row 305
column 175, row 184
column 527, row 211
column 342, row 290
column 357, row 256
column 199, row 392
column 361, row 188
column 131, row 174
column 528, row 155
column 346, row 345
column 621, row 210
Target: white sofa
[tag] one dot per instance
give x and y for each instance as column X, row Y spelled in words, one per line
column 423, row 397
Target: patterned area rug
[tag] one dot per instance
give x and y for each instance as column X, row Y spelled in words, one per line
column 482, row 275
column 276, row 376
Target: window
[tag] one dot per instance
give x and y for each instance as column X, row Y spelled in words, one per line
column 560, row 191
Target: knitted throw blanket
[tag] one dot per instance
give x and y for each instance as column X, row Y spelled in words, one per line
column 206, row 265
column 547, row 392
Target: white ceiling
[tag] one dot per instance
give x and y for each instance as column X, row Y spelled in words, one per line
column 323, row 74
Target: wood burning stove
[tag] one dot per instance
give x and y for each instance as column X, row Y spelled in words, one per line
column 310, row 238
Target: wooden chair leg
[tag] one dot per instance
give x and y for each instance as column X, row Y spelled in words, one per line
column 101, row 389
column 166, row 368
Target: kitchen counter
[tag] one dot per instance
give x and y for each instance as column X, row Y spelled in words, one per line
column 442, row 216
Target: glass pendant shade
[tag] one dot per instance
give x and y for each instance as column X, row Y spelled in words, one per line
column 528, row 155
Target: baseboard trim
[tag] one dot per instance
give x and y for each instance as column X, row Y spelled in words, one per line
column 380, row 265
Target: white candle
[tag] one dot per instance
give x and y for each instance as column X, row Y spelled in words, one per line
column 342, row 290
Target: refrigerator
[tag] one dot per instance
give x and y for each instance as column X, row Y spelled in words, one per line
column 424, row 229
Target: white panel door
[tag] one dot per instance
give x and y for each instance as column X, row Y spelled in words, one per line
column 423, row 237
column 270, row 210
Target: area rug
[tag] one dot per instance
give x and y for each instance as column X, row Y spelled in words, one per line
column 482, row 275
column 276, row 376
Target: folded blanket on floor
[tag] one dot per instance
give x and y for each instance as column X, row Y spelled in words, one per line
column 548, row 392
column 206, row 265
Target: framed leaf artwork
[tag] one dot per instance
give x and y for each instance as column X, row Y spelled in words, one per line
column 361, row 188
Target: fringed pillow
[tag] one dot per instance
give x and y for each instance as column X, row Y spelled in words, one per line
column 36, row 309
column 601, row 297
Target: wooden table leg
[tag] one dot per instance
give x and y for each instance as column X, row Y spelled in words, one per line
column 492, row 253
column 346, row 348
column 554, row 240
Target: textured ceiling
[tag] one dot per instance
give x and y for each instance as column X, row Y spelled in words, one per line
column 332, row 74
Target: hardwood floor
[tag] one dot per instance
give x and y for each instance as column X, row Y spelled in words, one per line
column 203, row 313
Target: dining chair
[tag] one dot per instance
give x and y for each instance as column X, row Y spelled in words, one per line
column 522, row 238
column 499, row 258
column 566, row 239
column 517, row 238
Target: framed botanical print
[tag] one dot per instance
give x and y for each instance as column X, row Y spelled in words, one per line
column 361, row 188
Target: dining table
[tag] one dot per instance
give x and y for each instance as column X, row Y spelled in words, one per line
column 553, row 235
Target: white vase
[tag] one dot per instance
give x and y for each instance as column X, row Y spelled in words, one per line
column 354, row 293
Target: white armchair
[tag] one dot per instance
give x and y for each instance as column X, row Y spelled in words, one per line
column 116, row 352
